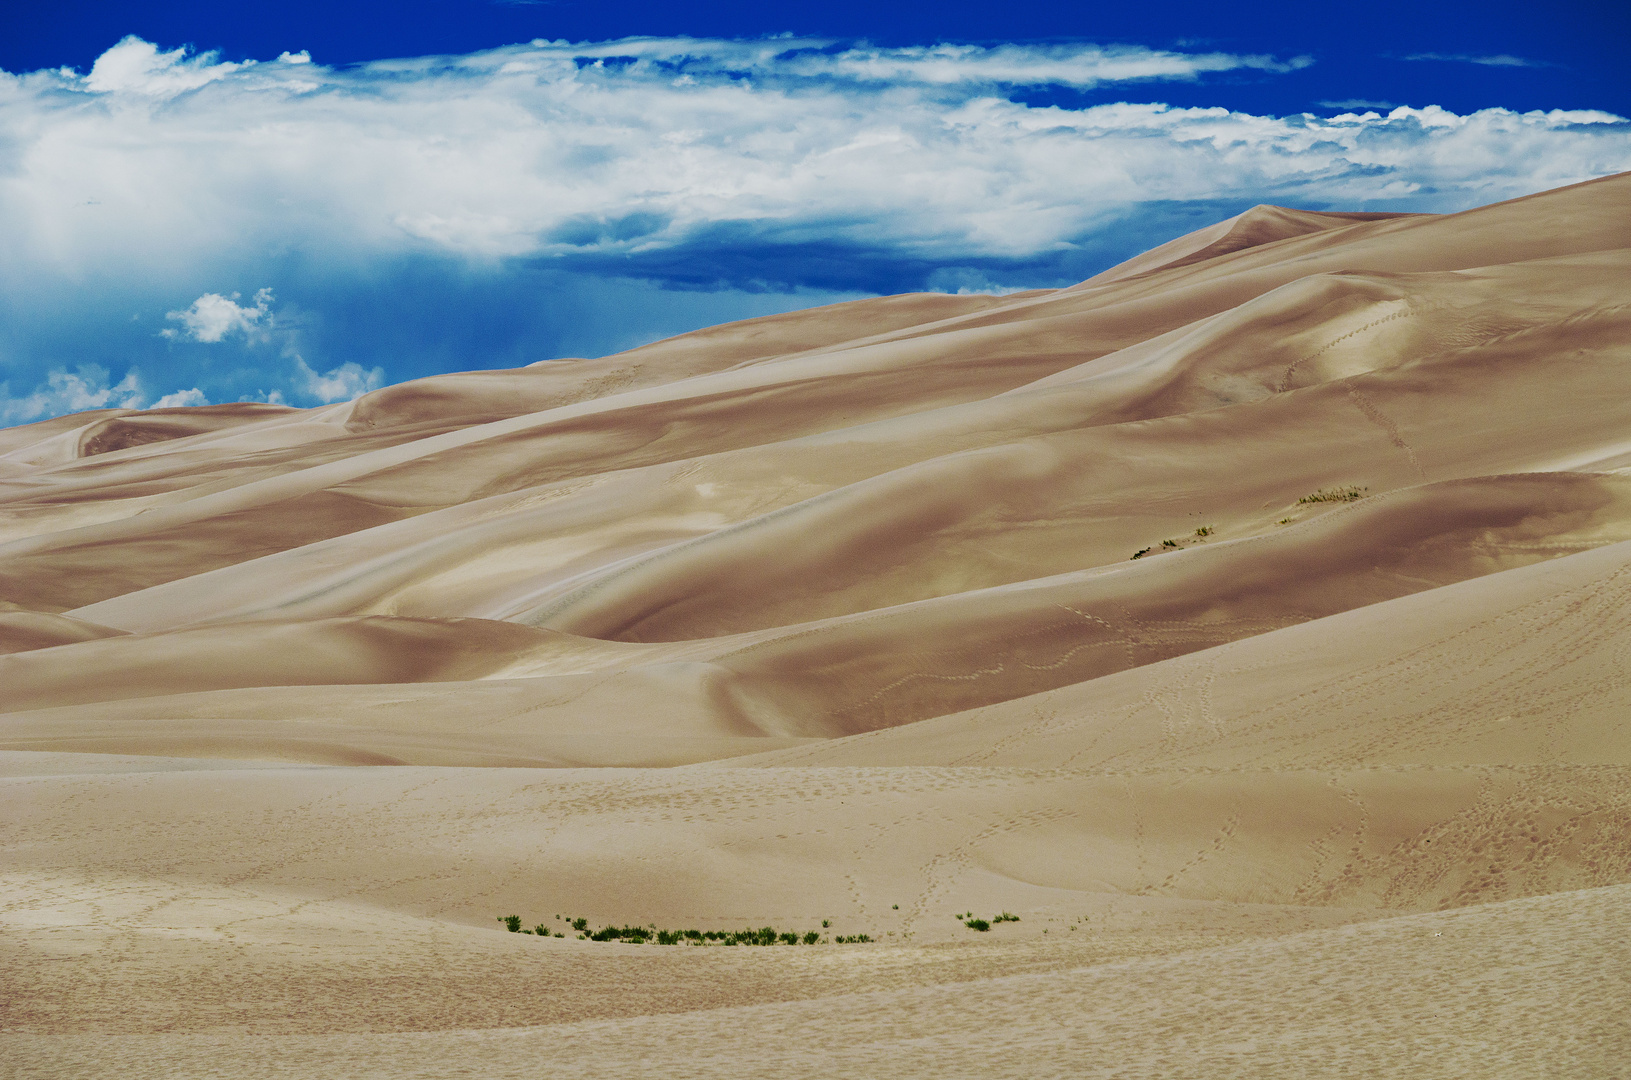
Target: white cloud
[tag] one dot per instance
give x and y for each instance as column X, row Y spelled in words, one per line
column 179, row 398
column 213, row 316
column 344, row 383
column 69, row 392
column 135, row 66
column 554, row 149
column 966, row 281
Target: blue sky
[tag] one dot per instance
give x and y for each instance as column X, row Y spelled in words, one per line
column 300, row 202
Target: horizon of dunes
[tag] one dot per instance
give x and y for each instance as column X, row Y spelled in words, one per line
column 1252, row 619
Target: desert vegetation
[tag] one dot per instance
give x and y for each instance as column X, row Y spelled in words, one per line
column 1333, row 495
column 973, row 922
column 652, row 934
column 1172, row 543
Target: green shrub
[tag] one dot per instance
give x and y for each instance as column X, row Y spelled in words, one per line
column 511, row 923
column 978, row 924
column 811, row 938
column 634, row 935
column 1141, row 552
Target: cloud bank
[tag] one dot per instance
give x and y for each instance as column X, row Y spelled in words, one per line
column 523, row 180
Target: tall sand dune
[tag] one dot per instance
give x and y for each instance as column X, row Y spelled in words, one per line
column 1252, row 622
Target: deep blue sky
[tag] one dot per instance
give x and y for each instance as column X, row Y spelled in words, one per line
column 1579, row 47
column 186, row 227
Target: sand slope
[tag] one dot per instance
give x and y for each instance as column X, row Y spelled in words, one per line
column 1253, row 620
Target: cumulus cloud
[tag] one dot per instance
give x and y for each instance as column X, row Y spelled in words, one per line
column 179, row 398
column 71, row 391
column 213, row 316
column 87, row 387
column 347, row 382
column 135, row 66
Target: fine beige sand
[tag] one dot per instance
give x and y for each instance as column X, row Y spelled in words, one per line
column 1252, row 620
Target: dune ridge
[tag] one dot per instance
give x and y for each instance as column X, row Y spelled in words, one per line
column 1252, row 619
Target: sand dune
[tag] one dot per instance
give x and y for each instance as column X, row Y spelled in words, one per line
column 1252, row 620
column 22, row 631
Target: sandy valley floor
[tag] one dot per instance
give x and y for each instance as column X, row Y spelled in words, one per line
column 1252, row 620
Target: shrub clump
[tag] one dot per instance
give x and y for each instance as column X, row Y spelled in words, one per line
column 1334, row 495
column 643, row 935
column 982, row 925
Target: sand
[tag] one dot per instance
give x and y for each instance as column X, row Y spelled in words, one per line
column 1252, row 620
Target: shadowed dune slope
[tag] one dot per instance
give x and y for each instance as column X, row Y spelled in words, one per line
column 1252, row 621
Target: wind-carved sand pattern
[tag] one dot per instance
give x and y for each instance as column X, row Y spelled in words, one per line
column 827, row 620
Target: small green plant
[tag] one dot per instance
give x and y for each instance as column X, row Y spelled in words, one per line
column 512, row 923
column 896, row 906
column 853, row 939
column 1141, row 552
column 825, row 923
column 580, row 925
column 1204, row 530
column 1334, row 495
column 1006, row 917
column 978, row 924
column 1169, row 544
column 541, row 930
column 1283, row 521
column 811, row 937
